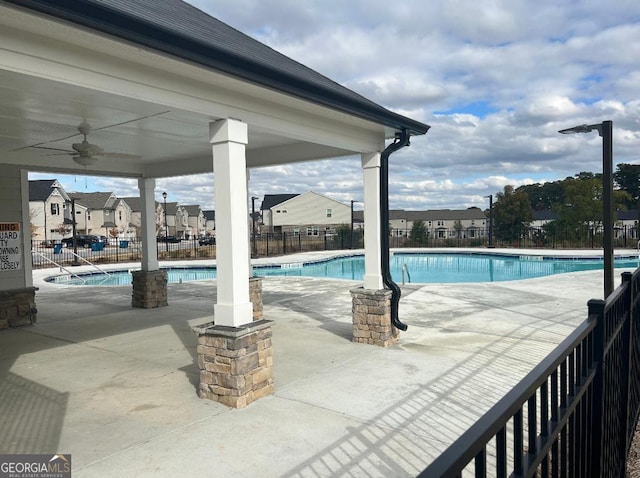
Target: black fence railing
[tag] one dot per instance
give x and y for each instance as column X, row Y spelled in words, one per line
column 574, row 414
column 277, row 244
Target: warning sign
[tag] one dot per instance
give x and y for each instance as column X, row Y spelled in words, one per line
column 10, row 246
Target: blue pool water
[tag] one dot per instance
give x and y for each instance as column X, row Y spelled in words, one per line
column 419, row 268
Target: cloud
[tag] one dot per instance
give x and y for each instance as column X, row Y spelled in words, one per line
column 495, row 80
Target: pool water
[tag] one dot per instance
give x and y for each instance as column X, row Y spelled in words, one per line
column 418, row 268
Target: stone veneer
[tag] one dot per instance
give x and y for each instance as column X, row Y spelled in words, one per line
column 371, row 315
column 255, row 296
column 236, row 363
column 18, row 307
column 149, row 289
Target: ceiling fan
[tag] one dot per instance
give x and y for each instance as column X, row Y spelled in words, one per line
column 85, row 153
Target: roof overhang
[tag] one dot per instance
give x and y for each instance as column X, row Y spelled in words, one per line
column 148, row 106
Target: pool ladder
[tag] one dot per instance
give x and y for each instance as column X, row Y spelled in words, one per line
column 405, row 270
column 71, row 274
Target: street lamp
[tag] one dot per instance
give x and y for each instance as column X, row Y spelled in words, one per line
column 605, row 130
column 253, row 227
column 490, row 196
column 166, row 228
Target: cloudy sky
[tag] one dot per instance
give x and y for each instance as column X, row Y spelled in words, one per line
column 495, row 79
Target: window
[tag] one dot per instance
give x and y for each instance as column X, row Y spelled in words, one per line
column 473, row 223
column 329, row 212
column 88, row 215
column 442, row 233
column 277, row 211
column 440, row 223
column 430, row 223
column 55, row 208
column 296, row 231
column 312, row 231
column 120, row 215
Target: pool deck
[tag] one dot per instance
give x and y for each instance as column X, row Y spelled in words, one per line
column 116, row 386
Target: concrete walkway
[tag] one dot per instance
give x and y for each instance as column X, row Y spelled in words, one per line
column 116, row 386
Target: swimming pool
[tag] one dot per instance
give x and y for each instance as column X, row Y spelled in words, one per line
column 417, row 267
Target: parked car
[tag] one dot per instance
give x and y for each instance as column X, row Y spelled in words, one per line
column 172, row 239
column 82, row 240
column 207, row 241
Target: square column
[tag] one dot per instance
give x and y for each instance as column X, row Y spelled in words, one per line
column 229, row 139
column 148, row 222
column 372, row 225
column 149, row 285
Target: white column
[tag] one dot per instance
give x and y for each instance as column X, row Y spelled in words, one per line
column 372, row 224
column 148, row 222
column 248, row 224
column 229, row 139
column 26, row 228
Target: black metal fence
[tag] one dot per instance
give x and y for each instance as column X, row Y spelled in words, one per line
column 574, row 414
column 277, row 244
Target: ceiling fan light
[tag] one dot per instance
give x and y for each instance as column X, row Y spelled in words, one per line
column 85, row 160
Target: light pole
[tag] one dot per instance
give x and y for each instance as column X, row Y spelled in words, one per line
column 605, row 130
column 490, row 196
column 351, row 240
column 166, row 228
column 253, row 227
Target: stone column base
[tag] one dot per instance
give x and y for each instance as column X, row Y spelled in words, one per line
column 18, row 307
column 149, row 289
column 255, row 296
column 236, row 363
column 371, row 314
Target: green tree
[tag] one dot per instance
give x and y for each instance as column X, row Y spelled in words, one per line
column 418, row 234
column 511, row 214
column 627, row 177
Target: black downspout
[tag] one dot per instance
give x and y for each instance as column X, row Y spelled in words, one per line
column 401, row 140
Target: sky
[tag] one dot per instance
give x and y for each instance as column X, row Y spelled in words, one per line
column 496, row 80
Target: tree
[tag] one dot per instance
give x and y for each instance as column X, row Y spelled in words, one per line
column 627, row 177
column 511, row 214
column 457, row 226
column 418, row 233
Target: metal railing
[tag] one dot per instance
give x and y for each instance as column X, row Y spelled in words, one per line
column 574, row 414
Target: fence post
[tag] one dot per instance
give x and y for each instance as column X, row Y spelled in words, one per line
column 628, row 385
column 596, row 311
column 284, row 243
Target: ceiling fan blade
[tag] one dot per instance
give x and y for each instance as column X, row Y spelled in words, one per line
column 119, row 155
column 53, row 149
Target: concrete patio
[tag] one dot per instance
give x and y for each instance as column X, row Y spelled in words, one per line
column 116, row 386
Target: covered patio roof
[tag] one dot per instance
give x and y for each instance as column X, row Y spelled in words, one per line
column 148, row 77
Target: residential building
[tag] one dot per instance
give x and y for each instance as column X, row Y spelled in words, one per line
column 309, row 214
column 49, row 210
column 177, row 220
column 196, row 222
column 210, row 225
column 135, row 203
column 103, row 213
column 540, row 218
column 468, row 223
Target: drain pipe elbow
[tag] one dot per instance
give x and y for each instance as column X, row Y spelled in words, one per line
column 401, row 140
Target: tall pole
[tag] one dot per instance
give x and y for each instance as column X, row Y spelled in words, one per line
column 605, row 129
column 490, row 196
column 351, row 241
column 75, row 239
column 607, row 201
column 166, row 228
column 253, row 227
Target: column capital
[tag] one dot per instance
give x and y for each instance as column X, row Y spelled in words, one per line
column 228, row 131
column 371, row 160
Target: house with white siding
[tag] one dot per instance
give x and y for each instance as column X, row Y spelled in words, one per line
column 309, row 214
column 102, row 213
column 468, row 223
column 49, row 210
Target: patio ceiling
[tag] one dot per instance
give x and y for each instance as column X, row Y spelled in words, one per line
column 150, row 111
